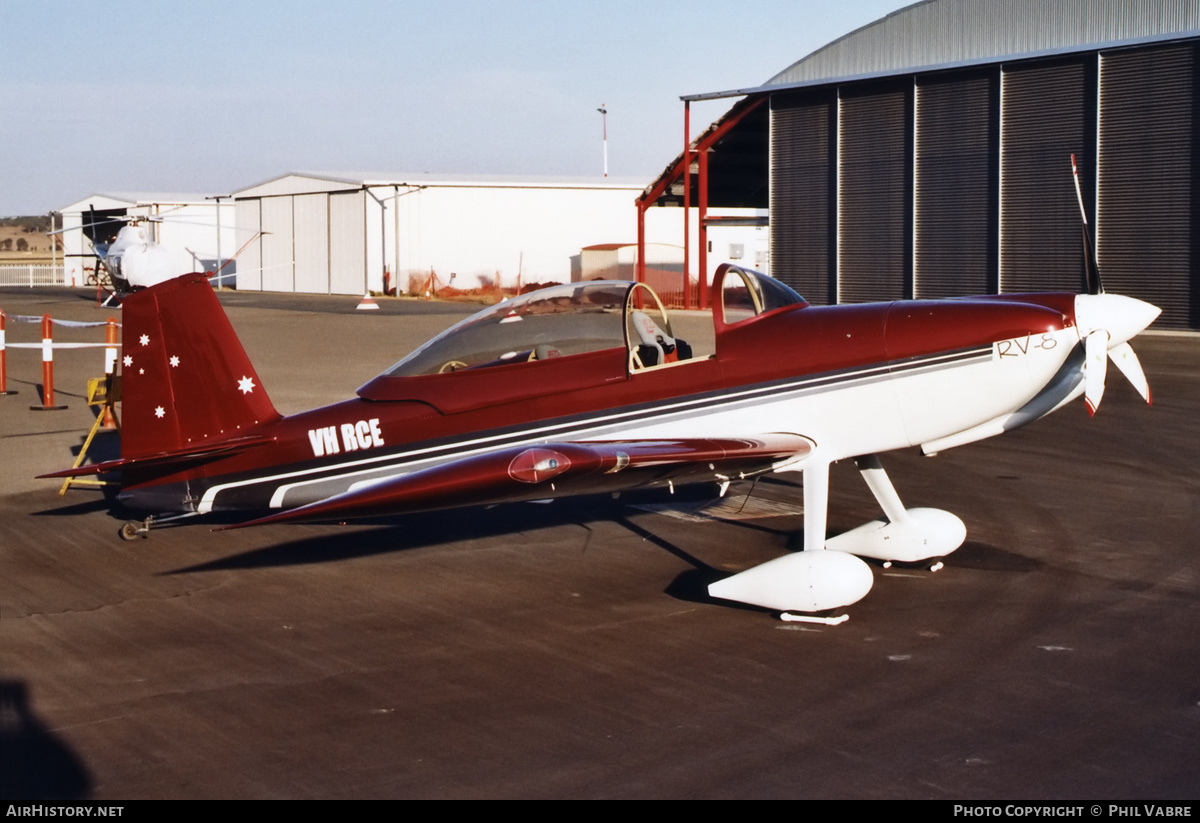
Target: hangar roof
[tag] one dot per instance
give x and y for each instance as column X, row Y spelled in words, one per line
column 119, row 200
column 946, row 33
column 929, row 35
column 305, row 182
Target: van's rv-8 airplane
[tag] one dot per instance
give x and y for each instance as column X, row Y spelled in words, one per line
column 584, row 388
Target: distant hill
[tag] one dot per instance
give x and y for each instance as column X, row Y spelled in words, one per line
column 37, row 222
column 23, row 239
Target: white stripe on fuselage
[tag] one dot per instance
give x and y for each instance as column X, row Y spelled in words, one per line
column 737, row 412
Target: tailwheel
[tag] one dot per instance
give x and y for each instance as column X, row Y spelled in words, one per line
column 141, row 528
column 134, row 529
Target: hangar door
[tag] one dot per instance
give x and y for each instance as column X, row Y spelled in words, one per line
column 278, row 257
column 955, row 174
column 311, row 243
column 249, row 262
column 803, row 180
column 347, row 243
column 1147, row 232
column 874, row 192
column 1049, row 115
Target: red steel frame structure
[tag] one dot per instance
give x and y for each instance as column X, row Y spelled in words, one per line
column 681, row 169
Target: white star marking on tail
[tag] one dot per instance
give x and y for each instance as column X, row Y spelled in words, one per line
column 174, row 361
column 246, row 385
column 144, row 340
column 128, row 361
column 160, row 412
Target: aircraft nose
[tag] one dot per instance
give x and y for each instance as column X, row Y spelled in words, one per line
column 1122, row 317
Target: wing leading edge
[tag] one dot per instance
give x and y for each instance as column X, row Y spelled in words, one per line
column 547, row 470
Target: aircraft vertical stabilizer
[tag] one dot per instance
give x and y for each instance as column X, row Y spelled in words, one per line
column 187, row 383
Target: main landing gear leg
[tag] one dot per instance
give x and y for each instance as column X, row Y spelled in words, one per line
column 881, row 486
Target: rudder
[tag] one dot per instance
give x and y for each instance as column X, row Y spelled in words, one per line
column 186, row 381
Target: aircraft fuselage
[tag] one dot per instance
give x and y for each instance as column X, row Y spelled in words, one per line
column 851, row 379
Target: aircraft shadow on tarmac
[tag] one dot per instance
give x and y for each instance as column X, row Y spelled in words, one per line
column 431, row 529
column 985, row 557
column 424, row 530
column 37, row 389
column 98, row 504
column 439, row 528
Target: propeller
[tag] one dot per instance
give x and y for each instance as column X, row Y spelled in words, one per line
column 1106, row 323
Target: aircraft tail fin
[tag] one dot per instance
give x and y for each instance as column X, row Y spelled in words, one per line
column 186, row 381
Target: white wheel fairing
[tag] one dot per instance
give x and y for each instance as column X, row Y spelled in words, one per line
column 808, row 581
column 926, row 533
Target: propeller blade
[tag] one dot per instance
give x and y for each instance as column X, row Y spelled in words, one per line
column 1095, row 369
column 1127, row 362
column 1091, row 272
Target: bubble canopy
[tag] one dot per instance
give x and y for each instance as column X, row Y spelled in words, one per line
column 552, row 322
column 575, row 318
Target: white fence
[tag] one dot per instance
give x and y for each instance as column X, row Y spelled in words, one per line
column 26, row 275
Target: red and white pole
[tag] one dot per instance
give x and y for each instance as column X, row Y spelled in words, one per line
column 110, row 370
column 3, row 361
column 110, row 347
column 47, row 367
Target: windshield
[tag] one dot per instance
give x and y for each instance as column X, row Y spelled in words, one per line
column 746, row 293
column 553, row 322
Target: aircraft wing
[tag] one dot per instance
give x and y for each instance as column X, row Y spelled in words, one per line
column 546, row 470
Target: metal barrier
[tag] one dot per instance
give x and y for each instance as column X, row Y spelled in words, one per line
column 32, row 275
column 3, row 361
column 47, row 345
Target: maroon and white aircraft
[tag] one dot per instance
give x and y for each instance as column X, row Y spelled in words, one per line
column 586, row 388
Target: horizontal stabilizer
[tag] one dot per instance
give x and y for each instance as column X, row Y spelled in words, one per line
column 540, row 471
column 167, row 461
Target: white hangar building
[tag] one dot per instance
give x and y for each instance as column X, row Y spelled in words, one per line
column 343, row 233
column 928, row 154
column 196, row 230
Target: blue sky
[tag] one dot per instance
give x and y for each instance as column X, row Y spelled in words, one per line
column 209, row 96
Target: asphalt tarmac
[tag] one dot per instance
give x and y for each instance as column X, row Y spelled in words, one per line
column 568, row 649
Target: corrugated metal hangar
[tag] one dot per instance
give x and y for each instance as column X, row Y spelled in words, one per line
column 337, row 234
column 928, row 154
